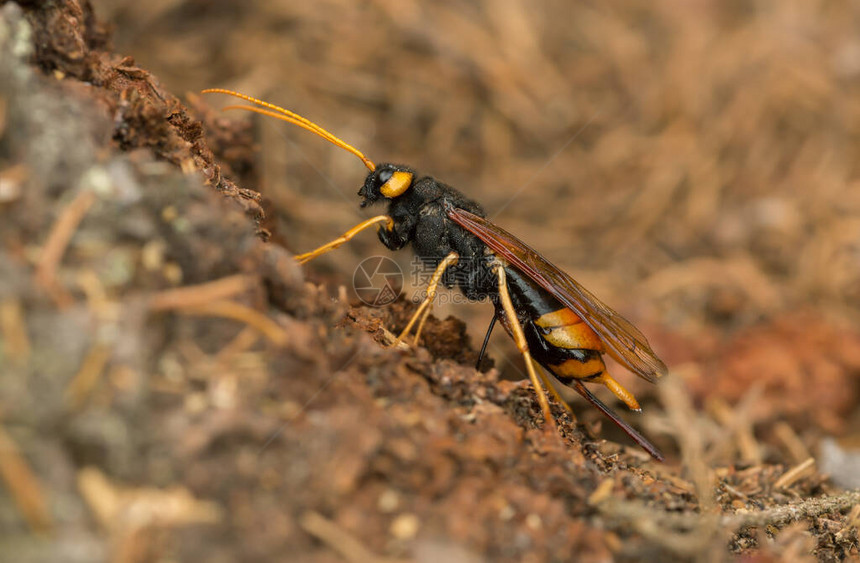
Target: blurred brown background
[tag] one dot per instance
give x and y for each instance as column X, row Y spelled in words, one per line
column 692, row 162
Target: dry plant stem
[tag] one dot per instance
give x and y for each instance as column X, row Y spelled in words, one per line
column 3, row 112
column 388, row 339
column 737, row 422
column 702, row 530
column 852, row 522
column 348, row 546
column 13, row 329
column 12, row 181
column 243, row 341
column 749, row 446
column 680, row 532
column 23, row 485
column 57, row 242
column 680, row 410
column 82, row 385
column 242, row 313
column 201, row 294
column 602, row 492
column 211, row 299
column 94, row 291
column 792, row 512
column 803, row 469
column 791, row 441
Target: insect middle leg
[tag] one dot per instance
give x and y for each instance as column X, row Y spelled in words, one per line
column 308, row 256
column 424, row 309
column 522, row 345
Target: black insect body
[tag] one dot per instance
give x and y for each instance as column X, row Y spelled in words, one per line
column 420, row 218
column 552, row 318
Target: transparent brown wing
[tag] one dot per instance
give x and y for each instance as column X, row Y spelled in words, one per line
column 624, row 341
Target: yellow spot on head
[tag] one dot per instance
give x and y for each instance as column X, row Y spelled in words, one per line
column 397, row 184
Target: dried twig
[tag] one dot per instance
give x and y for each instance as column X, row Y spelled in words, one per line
column 124, row 509
column 852, row 523
column 791, row 512
column 236, row 311
column 791, row 441
column 657, row 524
column 210, row 299
column 738, row 422
column 13, row 328
column 201, row 294
column 57, row 242
column 23, row 485
column 803, row 469
column 82, row 385
column 681, row 412
column 339, row 540
column 12, row 179
column 246, row 338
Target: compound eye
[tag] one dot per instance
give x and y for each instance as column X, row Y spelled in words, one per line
column 385, row 175
column 395, row 184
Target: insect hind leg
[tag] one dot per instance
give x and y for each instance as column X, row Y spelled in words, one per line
column 520, row 340
column 548, row 383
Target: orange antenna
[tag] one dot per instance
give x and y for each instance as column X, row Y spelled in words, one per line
column 286, row 115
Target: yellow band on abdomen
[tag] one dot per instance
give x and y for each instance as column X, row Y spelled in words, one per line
column 574, row 369
column 564, row 329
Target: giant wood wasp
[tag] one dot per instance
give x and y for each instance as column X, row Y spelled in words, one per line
column 553, row 320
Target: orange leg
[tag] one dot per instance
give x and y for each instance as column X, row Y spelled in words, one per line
column 308, row 256
column 424, row 309
column 522, row 345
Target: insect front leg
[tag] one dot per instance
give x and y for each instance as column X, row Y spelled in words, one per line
column 522, row 345
column 308, row 256
column 424, row 309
